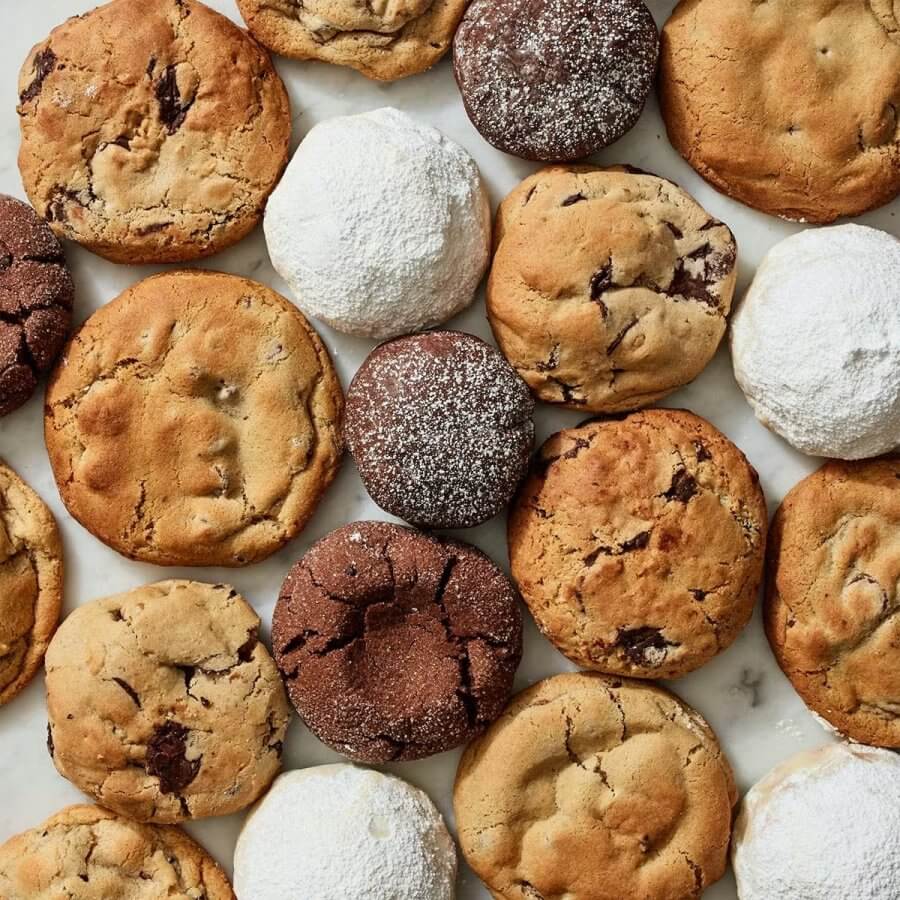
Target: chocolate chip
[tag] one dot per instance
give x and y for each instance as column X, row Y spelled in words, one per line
column 44, row 64
column 677, row 233
column 617, row 340
column 639, row 644
column 601, row 281
column 702, row 451
column 166, row 758
column 50, row 746
column 638, row 542
column 172, row 109
column 575, row 198
column 683, row 487
column 245, row 651
column 552, row 361
column 715, row 266
column 129, row 690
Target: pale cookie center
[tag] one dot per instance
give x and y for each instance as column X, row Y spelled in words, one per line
column 328, row 18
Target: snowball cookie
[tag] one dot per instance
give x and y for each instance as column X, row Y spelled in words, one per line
column 822, row 826
column 342, row 833
column 816, row 342
column 381, row 225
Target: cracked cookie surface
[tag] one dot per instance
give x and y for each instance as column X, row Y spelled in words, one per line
column 395, row 644
column 594, row 788
column 31, row 582
column 638, row 543
column 791, row 108
column 163, row 703
column 832, row 609
column 610, row 288
column 89, row 853
column 194, row 420
column 151, row 132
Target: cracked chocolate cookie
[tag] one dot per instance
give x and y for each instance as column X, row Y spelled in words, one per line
column 151, row 132
column 163, row 704
column 441, row 429
column 394, row 644
column 31, row 582
column 610, row 288
column 89, row 853
column 593, row 788
column 195, row 421
column 795, row 112
column 638, row 543
column 832, row 609
column 383, row 39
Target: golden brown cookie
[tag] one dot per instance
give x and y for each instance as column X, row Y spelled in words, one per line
column 594, row 788
column 791, row 108
column 610, row 288
column 31, row 582
column 163, row 703
column 151, row 131
column 383, row 39
column 832, row 610
column 194, row 420
column 638, row 543
column 88, row 853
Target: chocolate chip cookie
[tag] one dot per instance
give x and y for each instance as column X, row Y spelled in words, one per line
column 593, row 788
column 151, row 132
column 89, row 853
column 164, row 705
column 791, row 108
column 638, row 543
column 394, row 644
column 610, row 288
column 31, row 582
column 195, row 421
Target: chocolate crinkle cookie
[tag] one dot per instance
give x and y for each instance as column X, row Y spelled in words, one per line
column 394, row 644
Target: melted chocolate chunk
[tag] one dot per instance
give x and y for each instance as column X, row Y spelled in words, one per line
column 575, row 198
column 172, row 108
column 601, row 281
column 44, row 64
column 166, row 758
column 129, row 690
column 683, row 487
column 641, row 644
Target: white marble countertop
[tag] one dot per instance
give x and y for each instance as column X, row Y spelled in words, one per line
column 754, row 710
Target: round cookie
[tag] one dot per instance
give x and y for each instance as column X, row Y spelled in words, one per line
column 195, row 421
column 609, row 288
column 555, row 79
column 36, row 295
column 441, row 429
column 31, row 582
column 386, row 40
column 394, row 644
column 151, row 132
column 342, row 833
column 803, row 121
column 638, row 543
column 591, row 788
column 92, row 854
column 165, row 724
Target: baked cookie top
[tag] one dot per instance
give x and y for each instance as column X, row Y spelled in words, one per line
column 803, row 121
column 638, row 543
column 31, row 582
column 93, row 854
column 151, row 132
column 165, row 724
column 383, row 39
column 194, row 420
column 610, row 288
column 595, row 789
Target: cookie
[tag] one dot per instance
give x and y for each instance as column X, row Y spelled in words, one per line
column 441, row 429
column 36, row 295
column 610, row 288
column 92, row 854
column 31, row 582
column 591, row 788
column 162, row 723
column 151, row 132
column 803, row 121
column 386, row 40
column 638, row 543
column 555, row 79
column 194, row 421
column 394, row 644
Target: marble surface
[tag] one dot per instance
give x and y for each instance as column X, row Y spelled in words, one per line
column 745, row 697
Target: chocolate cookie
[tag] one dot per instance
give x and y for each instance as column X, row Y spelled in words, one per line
column 555, row 79
column 196, row 421
column 151, row 132
column 440, row 427
column 36, row 294
column 638, row 543
column 610, row 288
column 395, row 644
column 162, row 723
